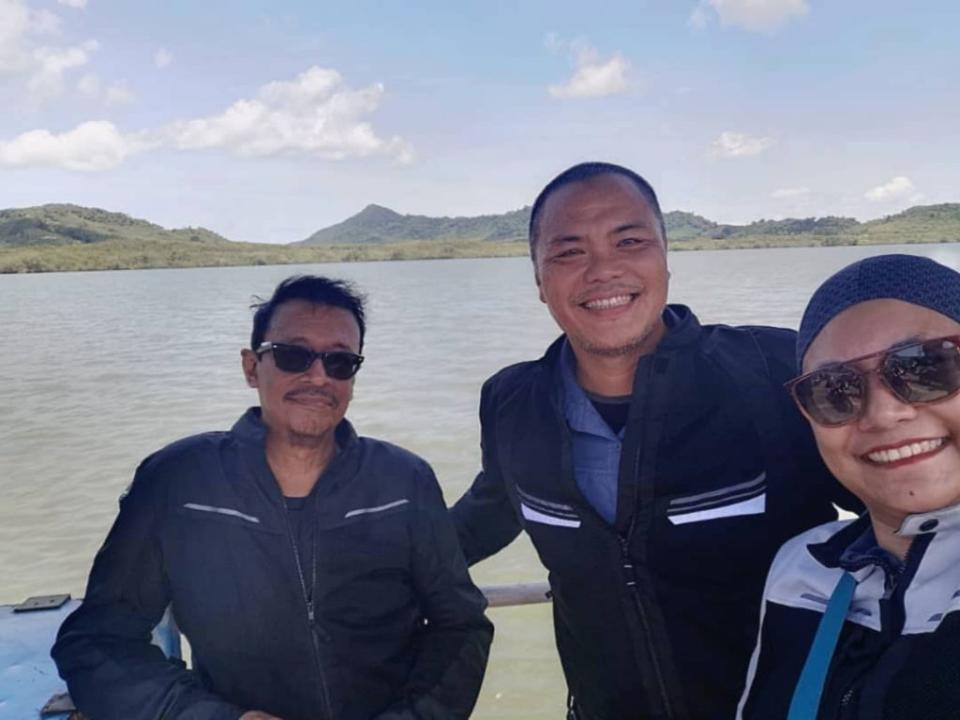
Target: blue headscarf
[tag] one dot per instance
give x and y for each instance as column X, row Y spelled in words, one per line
column 910, row 278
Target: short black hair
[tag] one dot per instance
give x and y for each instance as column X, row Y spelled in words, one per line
column 313, row 289
column 588, row 171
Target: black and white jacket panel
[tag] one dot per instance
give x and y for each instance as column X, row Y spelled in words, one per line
column 898, row 655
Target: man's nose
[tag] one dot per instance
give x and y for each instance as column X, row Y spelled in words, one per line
column 317, row 372
column 883, row 409
column 602, row 265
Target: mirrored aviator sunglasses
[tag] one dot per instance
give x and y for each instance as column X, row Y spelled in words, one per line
column 338, row 364
column 916, row 373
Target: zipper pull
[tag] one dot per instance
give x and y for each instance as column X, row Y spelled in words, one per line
column 310, row 614
column 627, row 564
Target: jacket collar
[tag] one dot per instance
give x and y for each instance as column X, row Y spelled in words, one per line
column 579, row 411
column 849, row 548
column 944, row 520
column 250, row 434
column 683, row 327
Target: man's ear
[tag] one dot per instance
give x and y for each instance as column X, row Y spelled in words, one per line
column 249, row 362
column 536, row 277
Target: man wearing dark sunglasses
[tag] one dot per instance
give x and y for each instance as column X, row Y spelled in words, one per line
column 315, row 573
column 656, row 464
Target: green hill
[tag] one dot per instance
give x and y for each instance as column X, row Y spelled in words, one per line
column 923, row 223
column 377, row 224
column 69, row 237
column 54, row 238
column 73, row 224
column 686, row 226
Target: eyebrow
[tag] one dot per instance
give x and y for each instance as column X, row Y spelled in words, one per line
column 300, row 340
column 626, row 227
column 562, row 239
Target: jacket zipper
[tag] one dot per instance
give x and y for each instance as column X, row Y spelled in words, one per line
column 315, row 629
column 630, row 574
column 858, row 682
column 631, row 581
column 312, row 625
column 845, row 702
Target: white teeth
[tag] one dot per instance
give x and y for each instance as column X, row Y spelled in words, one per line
column 905, row 451
column 604, row 303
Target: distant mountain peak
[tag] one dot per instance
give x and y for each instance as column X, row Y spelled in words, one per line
column 376, row 212
column 379, row 224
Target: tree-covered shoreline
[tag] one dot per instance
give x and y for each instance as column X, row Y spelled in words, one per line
column 68, row 238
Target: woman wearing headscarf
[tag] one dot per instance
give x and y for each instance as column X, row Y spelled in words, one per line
column 859, row 617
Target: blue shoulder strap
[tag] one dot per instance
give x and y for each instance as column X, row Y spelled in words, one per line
column 806, row 696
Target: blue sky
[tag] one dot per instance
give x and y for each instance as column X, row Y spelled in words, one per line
column 265, row 121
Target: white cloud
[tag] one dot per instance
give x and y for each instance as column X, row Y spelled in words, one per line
column 785, row 193
column 592, row 77
column 119, row 94
column 89, row 85
column 735, row 145
column 18, row 26
column 91, row 146
column 315, row 114
column 44, row 22
column 15, row 24
column 51, row 64
column 162, row 58
column 79, row 4
column 895, row 189
column 42, row 67
column 752, row 15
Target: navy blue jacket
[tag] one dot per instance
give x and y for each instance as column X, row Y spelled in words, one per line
column 898, row 654
column 399, row 630
column 655, row 616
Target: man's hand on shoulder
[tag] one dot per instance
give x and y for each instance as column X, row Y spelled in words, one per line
column 257, row 715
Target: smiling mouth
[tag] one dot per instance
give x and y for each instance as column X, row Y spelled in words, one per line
column 608, row 303
column 909, row 451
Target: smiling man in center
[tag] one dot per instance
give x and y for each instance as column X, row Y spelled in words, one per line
column 657, row 464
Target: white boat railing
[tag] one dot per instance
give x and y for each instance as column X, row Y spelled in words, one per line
column 517, row 594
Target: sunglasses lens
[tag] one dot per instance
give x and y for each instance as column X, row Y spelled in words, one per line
column 831, row 397
column 292, row 358
column 341, row 365
column 925, row 372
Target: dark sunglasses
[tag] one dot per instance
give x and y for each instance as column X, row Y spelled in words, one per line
column 338, row 364
column 917, row 373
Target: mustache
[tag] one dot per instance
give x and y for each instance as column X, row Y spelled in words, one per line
column 313, row 392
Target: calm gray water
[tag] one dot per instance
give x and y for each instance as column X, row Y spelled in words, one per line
column 103, row 368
